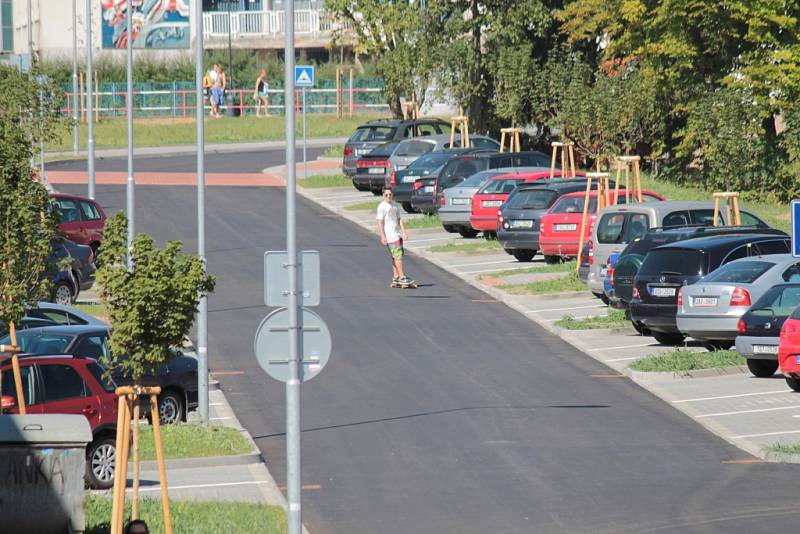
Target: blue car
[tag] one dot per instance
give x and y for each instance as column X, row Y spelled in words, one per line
column 608, row 281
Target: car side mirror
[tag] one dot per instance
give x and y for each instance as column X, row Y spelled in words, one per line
column 7, row 402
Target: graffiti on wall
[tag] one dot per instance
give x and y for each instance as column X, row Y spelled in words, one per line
column 157, row 24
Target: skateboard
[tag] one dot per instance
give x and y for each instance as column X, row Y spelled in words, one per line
column 410, row 285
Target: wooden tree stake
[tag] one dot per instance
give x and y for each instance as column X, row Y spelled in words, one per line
column 460, row 122
column 567, row 159
column 135, row 495
column 633, row 189
column 731, row 200
column 14, row 350
column 513, row 139
column 602, row 192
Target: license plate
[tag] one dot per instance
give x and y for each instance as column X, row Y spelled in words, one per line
column 492, row 203
column 662, row 291
column 361, row 151
column 566, row 227
column 603, row 271
column 765, row 349
column 459, row 201
column 521, row 224
column 409, row 179
column 376, row 170
column 700, row 302
column 428, row 189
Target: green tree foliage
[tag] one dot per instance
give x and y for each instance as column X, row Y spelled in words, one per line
column 26, row 223
column 152, row 306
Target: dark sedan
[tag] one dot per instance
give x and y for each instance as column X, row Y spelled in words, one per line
column 177, row 378
column 73, row 269
column 427, row 165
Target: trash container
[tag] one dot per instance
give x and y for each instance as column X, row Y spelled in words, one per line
column 232, row 106
column 42, row 464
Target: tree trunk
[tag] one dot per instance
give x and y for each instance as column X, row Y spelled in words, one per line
column 478, row 110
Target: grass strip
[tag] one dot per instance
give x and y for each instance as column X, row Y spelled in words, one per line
column 94, row 309
column 481, row 244
column 313, row 182
column 791, row 448
column 193, row 441
column 190, row 517
column 369, row 205
column 165, row 131
column 426, row 221
column 571, row 282
column 614, row 319
column 680, row 359
column 336, row 151
column 547, row 268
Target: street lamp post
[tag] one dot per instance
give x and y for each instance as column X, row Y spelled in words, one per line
column 131, row 184
column 74, row 78
column 202, row 316
column 89, row 98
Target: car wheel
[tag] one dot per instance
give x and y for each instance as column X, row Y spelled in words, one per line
column 489, row 235
column 408, row 207
column 668, row 338
column 793, row 383
column 360, row 187
column 524, row 255
column 603, row 298
column 449, row 228
column 641, row 329
column 468, row 233
column 717, row 345
column 552, row 260
column 762, row 368
column 101, row 455
column 170, row 407
column 63, row 293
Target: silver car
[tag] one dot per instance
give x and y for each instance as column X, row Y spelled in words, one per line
column 710, row 309
column 409, row 150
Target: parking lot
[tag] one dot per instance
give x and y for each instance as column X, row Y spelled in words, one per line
column 751, row 413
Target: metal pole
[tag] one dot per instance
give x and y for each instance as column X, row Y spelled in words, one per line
column 202, row 317
column 305, row 142
column 293, row 385
column 130, row 189
column 90, row 100
column 74, row 78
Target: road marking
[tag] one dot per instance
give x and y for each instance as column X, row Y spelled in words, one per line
column 570, row 308
column 446, row 238
column 515, row 262
column 225, row 373
column 744, row 462
column 197, row 486
column 219, row 418
column 719, row 414
column 512, row 267
column 216, row 403
column 622, row 347
column 765, row 434
column 573, row 316
column 699, row 399
column 305, row 487
column 622, row 359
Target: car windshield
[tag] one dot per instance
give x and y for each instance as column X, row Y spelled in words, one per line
column 40, row 342
column 500, row 186
column 679, row 261
column 463, row 167
column 533, row 199
column 779, row 301
column 739, row 272
column 476, row 180
column 573, row 205
column 386, row 149
column 430, row 161
column 414, row 148
column 100, row 375
column 367, row 134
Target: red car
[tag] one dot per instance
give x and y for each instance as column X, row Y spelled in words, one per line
column 69, row 385
column 560, row 227
column 82, row 219
column 487, row 201
column 789, row 350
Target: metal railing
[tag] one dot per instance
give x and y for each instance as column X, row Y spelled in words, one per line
column 268, row 23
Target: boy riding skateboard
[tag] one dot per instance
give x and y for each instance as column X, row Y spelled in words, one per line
column 393, row 232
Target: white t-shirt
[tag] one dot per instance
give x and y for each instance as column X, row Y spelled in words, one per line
column 390, row 215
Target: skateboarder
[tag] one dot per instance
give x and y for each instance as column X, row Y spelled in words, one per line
column 393, row 232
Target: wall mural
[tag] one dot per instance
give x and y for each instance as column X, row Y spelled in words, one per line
column 156, row 24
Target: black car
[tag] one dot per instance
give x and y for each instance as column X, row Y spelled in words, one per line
column 424, row 166
column 177, row 378
column 666, row 268
column 374, row 133
column 72, row 276
column 373, row 169
column 464, row 163
column 631, row 258
column 528, row 202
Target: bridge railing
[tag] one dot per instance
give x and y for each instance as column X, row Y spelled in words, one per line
column 268, row 23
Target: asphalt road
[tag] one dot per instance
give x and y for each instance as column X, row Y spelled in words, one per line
column 441, row 412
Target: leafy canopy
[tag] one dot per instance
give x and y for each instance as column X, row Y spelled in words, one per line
column 152, row 306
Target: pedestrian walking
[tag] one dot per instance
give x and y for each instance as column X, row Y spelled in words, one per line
column 261, row 94
column 218, row 84
column 392, row 231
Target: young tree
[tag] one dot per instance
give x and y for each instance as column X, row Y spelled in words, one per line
column 152, row 306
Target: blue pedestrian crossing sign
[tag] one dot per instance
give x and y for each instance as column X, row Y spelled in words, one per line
column 795, row 228
column 304, row 76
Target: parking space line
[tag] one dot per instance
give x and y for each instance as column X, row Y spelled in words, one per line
column 219, row 418
column 433, row 239
column 621, row 347
column 622, row 359
column 196, row 486
column 564, row 309
column 488, row 270
column 765, row 434
column 720, row 414
column 699, row 399
column 573, row 316
column 509, row 261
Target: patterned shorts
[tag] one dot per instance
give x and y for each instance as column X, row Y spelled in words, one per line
column 396, row 249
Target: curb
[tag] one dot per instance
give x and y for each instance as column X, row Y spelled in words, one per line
column 204, row 461
column 663, row 376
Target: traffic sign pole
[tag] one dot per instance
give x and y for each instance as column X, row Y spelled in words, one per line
column 294, row 384
column 305, row 143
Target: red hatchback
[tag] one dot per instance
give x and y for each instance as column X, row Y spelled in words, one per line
column 560, row 227
column 789, row 350
column 82, row 219
column 487, row 201
column 68, row 385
